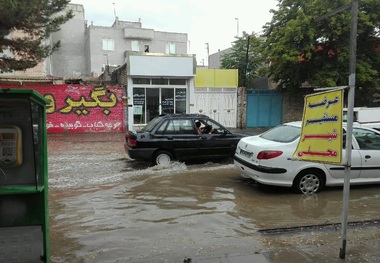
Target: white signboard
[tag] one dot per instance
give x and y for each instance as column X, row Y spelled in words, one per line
column 138, row 109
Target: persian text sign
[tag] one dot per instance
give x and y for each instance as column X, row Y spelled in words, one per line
column 76, row 108
column 321, row 134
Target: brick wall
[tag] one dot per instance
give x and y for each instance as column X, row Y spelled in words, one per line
column 293, row 104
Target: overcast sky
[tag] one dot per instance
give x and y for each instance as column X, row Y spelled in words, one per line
column 214, row 22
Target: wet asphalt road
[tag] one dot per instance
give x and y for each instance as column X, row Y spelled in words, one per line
column 105, row 207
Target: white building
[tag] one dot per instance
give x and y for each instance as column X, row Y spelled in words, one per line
column 158, row 84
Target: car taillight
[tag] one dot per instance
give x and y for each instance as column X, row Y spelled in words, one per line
column 132, row 142
column 130, row 139
column 265, row 155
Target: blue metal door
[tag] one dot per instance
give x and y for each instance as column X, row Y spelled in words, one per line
column 264, row 108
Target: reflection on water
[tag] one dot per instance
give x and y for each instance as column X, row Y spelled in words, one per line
column 168, row 214
column 105, row 207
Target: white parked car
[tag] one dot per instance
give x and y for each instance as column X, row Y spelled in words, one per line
column 267, row 159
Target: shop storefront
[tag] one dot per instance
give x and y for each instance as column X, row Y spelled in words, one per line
column 152, row 97
column 158, row 84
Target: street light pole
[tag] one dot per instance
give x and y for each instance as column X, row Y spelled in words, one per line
column 208, row 53
column 114, row 10
column 237, row 27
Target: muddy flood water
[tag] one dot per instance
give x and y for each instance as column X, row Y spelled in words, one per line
column 105, row 207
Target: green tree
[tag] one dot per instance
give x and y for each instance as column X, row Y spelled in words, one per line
column 35, row 20
column 246, row 56
column 304, row 49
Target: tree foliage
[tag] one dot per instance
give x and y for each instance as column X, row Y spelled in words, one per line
column 33, row 21
column 304, row 49
column 246, row 56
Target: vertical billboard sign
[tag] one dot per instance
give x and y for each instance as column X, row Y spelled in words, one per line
column 321, row 134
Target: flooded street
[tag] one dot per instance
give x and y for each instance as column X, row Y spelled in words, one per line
column 105, row 207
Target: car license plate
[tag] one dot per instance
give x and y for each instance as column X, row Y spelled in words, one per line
column 245, row 153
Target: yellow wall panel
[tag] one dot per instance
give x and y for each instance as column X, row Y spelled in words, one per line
column 226, row 78
column 216, row 78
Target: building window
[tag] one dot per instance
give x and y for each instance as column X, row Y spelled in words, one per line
column 177, row 81
column 160, row 81
column 180, row 100
column 135, row 46
column 138, row 105
column 108, row 44
column 170, row 48
column 167, row 101
column 141, row 81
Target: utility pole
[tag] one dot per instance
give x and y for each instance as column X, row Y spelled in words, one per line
column 350, row 110
column 351, row 100
column 246, row 63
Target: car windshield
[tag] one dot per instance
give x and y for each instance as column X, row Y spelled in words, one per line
column 283, row 133
column 149, row 127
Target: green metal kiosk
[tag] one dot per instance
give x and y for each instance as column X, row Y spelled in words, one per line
column 24, row 231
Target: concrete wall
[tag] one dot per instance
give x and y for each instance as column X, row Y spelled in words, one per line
column 69, row 60
column 81, row 53
column 161, row 39
column 214, row 60
column 97, row 57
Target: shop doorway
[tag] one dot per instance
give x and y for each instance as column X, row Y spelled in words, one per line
column 151, row 102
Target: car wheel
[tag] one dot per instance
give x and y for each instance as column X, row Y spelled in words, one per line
column 308, row 182
column 162, row 157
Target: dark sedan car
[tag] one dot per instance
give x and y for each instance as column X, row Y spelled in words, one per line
column 181, row 137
